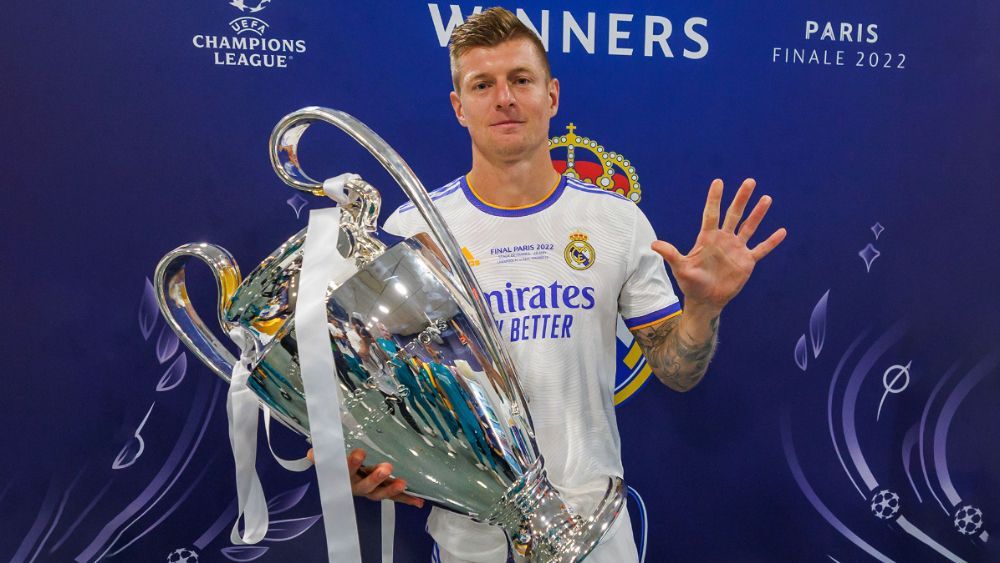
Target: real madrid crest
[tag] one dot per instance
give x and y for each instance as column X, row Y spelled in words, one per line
column 579, row 254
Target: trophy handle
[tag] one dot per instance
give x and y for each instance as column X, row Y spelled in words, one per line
column 284, row 150
column 172, row 296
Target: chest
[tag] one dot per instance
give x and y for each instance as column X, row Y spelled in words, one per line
column 544, row 280
column 567, row 251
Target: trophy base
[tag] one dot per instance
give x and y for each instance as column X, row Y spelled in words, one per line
column 542, row 527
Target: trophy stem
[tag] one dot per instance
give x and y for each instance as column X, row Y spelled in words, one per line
column 542, row 527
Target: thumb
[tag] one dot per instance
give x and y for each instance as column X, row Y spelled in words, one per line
column 668, row 251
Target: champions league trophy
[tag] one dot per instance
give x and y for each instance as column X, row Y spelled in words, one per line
column 426, row 382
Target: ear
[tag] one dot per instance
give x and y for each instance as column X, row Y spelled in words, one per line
column 553, row 97
column 456, row 104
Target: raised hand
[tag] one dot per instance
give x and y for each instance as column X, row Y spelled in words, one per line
column 721, row 261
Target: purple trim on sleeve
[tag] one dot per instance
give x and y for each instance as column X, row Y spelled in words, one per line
column 447, row 189
column 592, row 189
column 654, row 316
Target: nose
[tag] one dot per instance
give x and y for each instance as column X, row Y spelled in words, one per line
column 505, row 95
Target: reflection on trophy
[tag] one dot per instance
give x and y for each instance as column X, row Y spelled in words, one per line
column 425, row 380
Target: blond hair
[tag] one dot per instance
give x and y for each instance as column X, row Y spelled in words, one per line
column 489, row 29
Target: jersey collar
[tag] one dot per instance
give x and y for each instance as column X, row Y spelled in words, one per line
column 521, row 211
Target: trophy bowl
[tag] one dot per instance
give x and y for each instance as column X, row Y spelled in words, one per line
column 425, row 380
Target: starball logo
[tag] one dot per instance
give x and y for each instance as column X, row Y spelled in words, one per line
column 249, row 23
column 241, row 6
column 249, row 46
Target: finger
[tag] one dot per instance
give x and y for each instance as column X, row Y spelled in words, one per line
column 408, row 499
column 668, row 251
column 765, row 248
column 710, row 218
column 354, row 461
column 749, row 227
column 735, row 212
column 387, row 490
column 311, row 457
column 366, row 485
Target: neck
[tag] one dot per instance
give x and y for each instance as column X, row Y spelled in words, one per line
column 513, row 182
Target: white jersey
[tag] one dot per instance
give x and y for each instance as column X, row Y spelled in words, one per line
column 556, row 274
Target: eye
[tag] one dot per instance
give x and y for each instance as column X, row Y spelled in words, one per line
column 524, row 80
column 480, row 86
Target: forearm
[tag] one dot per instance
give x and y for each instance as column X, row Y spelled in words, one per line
column 678, row 350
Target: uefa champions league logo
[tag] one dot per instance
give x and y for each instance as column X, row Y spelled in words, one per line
column 241, row 5
column 968, row 520
column 885, row 504
column 249, row 47
column 249, row 23
column 182, row 555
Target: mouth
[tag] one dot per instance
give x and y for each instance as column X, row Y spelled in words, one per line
column 506, row 123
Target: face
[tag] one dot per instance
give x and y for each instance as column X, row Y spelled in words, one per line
column 505, row 99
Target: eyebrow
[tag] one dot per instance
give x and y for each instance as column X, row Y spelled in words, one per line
column 478, row 75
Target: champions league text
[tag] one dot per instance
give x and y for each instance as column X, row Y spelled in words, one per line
column 533, row 299
column 250, row 51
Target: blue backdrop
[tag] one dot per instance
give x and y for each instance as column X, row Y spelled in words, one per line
column 850, row 412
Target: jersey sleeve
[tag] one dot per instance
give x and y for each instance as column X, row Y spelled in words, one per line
column 405, row 223
column 648, row 296
column 392, row 225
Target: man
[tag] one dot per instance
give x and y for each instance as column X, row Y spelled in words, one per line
column 593, row 256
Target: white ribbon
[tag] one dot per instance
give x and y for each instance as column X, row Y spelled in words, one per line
column 241, row 407
column 388, row 529
column 296, row 465
column 321, row 265
column 336, row 188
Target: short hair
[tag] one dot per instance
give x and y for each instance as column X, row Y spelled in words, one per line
column 489, row 29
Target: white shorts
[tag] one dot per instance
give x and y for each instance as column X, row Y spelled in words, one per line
column 619, row 547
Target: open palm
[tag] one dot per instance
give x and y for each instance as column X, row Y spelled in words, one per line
column 721, row 261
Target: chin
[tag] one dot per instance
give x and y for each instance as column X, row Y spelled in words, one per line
column 520, row 145
column 520, row 154
column 507, row 147
column 510, row 147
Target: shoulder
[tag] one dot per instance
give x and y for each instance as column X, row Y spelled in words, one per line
column 591, row 201
column 446, row 190
column 583, row 193
column 406, row 219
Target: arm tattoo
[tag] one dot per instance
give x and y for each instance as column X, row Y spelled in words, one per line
column 677, row 361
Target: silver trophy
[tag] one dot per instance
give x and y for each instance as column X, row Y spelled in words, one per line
column 426, row 382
